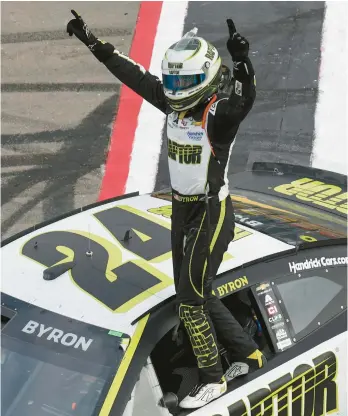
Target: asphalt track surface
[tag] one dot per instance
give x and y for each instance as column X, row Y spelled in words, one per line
column 58, row 105
column 58, row 102
column 285, row 51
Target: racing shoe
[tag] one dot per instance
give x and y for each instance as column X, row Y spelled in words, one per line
column 203, row 394
column 252, row 363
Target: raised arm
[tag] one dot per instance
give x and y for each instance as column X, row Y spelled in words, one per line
column 232, row 111
column 120, row 65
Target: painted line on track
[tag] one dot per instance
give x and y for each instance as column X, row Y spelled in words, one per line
column 125, row 123
column 148, row 136
column 330, row 141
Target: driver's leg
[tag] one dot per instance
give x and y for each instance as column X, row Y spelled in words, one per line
column 228, row 330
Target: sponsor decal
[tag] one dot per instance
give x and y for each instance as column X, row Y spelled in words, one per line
column 115, row 333
column 212, row 109
column 56, row 335
column 175, row 65
column 263, row 286
column 278, row 325
column 272, row 310
column 284, row 344
column 180, row 198
column 247, row 221
column 308, row 390
column 269, row 300
column 229, row 287
column 317, row 263
column 195, row 135
column 316, row 192
column 265, row 291
column 210, row 52
column 184, row 153
column 275, row 318
column 238, row 88
column 281, row 334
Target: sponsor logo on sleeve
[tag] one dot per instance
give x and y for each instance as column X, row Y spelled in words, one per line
column 238, row 88
column 212, row 109
column 317, row 263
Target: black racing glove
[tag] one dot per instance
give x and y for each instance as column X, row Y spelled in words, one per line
column 237, row 45
column 101, row 50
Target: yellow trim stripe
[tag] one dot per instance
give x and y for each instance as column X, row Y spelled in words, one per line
column 120, row 375
column 216, row 234
column 193, row 249
column 147, row 216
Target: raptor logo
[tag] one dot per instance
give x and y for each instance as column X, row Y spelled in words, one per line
column 309, row 391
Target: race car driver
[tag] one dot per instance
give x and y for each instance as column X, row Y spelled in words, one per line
column 201, row 125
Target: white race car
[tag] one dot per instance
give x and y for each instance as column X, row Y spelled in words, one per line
column 89, row 325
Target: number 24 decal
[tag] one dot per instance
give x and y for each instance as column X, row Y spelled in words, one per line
column 118, row 286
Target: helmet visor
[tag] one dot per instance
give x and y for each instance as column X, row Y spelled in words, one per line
column 182, row 82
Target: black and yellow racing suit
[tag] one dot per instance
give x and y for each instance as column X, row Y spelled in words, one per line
column 199, row 238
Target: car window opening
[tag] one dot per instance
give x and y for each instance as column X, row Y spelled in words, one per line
column 175, row 364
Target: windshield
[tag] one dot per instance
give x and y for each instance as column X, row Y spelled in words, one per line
column 34, row 386
column 55, row 367
column 279, row 218
column 286, row 220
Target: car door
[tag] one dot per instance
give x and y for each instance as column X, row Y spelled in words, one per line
column 146, row 395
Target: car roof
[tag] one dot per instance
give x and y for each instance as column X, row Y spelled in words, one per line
column 120, row 259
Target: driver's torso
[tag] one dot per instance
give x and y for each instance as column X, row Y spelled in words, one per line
column 189, row 153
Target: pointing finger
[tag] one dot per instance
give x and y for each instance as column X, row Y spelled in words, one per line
column 75, row 14
column 231, row 27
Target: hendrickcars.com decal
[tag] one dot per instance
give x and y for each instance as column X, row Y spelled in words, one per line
column 318, row 193
column 316, row 263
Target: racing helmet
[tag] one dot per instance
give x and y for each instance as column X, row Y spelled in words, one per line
column 191, row 72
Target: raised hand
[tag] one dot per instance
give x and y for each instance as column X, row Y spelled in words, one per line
column 237, row 45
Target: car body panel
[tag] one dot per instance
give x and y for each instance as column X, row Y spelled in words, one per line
column 289, row 220
column 25, row 259
column 316, row 380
